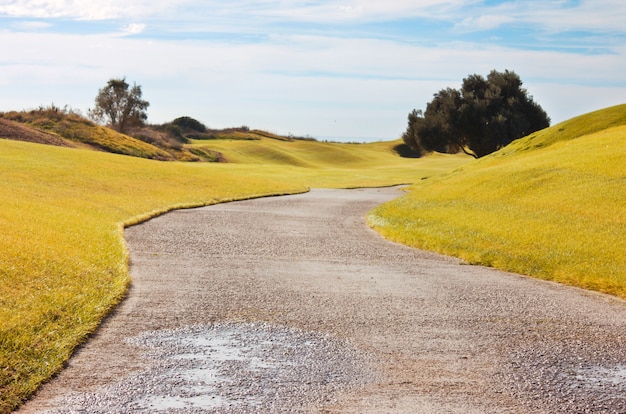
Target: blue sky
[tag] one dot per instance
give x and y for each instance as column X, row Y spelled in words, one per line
column 322, row 68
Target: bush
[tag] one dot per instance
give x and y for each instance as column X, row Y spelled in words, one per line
column 157, row 137
column 174, row 132
column 188, row 125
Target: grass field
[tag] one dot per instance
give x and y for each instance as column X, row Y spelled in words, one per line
column 551, row 205
column 63, row 262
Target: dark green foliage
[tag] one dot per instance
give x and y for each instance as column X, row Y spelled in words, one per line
column 189, row 125
column 405, row 151
column 480, row 118
column 410, row 137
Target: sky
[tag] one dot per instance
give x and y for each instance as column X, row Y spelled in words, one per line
column 328, row 69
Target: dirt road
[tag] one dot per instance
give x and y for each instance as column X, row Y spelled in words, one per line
column 291, row 304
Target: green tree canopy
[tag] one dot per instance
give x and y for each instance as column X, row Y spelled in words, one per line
column 480, row 118
column 120, row 105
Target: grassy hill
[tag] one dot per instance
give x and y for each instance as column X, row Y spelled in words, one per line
column 304, row 153
column 54, row 126
column 551, row 205
column 168, row 142
column 63, row 262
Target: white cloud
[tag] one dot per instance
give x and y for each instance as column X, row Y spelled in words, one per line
column 484, row 22
column 84, row 10
column 596, row 15
column 322, row 11
column 134, row 28
column 293, row 79
column 552, row 16
column 289, row 78
column 30, row 25
column 363, row 10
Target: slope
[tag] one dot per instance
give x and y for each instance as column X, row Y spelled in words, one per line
column 551, row 205
column 304, row 153
column 63, row 264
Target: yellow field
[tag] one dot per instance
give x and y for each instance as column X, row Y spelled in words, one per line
column 552, row 205
column 63, row 263
column 311, row 154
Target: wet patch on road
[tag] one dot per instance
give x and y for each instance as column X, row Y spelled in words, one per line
column 230, row 367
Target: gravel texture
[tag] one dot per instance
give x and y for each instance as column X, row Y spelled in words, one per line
column 291, row 304
column 244, row 368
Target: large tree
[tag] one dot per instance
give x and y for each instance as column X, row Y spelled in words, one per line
column 120, row 105
column 480, row 118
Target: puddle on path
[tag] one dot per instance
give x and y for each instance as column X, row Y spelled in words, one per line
column 232, row 368
column 598, row 377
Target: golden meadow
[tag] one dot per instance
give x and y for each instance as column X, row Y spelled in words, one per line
column 63, row 262
column 551, row 205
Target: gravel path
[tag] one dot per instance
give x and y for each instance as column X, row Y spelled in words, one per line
column 291, row 304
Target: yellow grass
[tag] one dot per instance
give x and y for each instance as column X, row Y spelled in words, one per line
column 80, row 132
column 549, row 206
column 299, row 152
column 63, row 263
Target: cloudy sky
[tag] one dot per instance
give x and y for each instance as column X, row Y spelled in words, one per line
column 324, row 68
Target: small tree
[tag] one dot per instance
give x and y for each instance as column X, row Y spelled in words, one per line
column 121, row 107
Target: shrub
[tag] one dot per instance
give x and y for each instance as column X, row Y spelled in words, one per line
column 174, row 132
column 188, row 125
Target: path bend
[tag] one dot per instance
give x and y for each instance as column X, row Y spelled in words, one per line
column 292, row 304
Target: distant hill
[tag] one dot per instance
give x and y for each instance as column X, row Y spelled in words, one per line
column 168, row 142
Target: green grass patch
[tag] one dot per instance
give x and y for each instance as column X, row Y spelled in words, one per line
column 63, row 261
column 548, row 206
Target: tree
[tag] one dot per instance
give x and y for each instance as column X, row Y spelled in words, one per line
column 410, row 136
column 121, row 107
column 480, row 118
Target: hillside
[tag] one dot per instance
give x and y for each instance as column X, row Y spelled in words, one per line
column 169, row 142
column 20, row 132
column 576, row 127
column 63, row 263
column 54, row 126
column 303, row 153
column 62, row 127
column 551, row 205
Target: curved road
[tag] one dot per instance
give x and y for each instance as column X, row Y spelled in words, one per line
column 291, row 304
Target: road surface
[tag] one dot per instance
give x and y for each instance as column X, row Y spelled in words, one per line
column 292, row 304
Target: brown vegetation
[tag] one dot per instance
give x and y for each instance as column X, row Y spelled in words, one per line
column 64, row 127
column 171, row 141
column 20, row 132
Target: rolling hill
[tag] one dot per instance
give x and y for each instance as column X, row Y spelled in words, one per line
column 62, row 127
column 54, row 126
column 551, row 205
column 63, row 207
